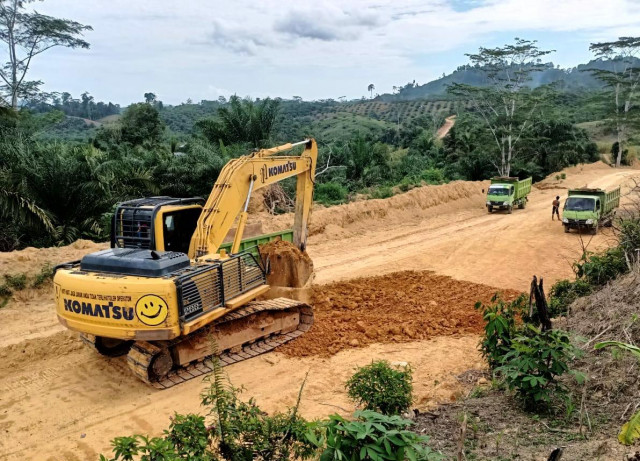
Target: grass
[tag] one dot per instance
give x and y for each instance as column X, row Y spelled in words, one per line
column 342, row 125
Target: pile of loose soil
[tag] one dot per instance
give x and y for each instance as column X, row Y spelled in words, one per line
column 288, row 266
column 399, row 307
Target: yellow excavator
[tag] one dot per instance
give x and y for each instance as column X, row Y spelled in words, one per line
column 165, row 292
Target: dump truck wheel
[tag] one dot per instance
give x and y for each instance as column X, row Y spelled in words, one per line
column 567, row 229
column 594, row 229
column 510, row 209
column 490, row 209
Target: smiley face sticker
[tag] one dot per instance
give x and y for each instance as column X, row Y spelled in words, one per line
column 152, row 310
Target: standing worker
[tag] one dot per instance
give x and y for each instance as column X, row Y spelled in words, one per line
column 556, row 207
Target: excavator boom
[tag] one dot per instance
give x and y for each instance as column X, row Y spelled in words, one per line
column 239, row 178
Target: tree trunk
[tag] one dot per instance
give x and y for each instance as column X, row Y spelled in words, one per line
column 618, row 127
column 537, row 293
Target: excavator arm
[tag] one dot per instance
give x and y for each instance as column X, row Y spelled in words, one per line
column 232, row 191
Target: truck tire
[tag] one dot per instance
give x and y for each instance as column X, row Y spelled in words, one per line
column 490, row 209
column 522, row 205
column 567, row 229
column 594, row 229
column 510, row 209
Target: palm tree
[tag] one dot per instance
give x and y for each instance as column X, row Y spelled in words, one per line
column 370, row 88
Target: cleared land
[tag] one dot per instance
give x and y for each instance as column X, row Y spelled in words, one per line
column 61, row 400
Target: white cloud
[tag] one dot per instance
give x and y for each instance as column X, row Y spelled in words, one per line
column 315, row 48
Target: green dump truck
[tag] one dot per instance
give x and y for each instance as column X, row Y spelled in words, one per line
column 506, row 193
column 588, row 209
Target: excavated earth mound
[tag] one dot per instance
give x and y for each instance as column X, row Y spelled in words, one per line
column 399, row 307
column 289, row 267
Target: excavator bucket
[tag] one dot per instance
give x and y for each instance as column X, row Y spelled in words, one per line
column 289, row 271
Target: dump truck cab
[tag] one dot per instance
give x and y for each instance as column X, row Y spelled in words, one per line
column 505, row 193
column 588, row 209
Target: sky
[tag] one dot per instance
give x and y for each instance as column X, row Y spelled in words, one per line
column 315, row 49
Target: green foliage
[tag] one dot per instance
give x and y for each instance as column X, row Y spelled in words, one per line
column 140, row 123
column 433, row 176
column 533, row 364
column 629, row 237
column 371, row 436
column 330, row 193
column 44, row 276
column 599, row 269
column 630, row 431
column 16, row 281
column 564, row 292
column 382, row 192
column 617, row 344
column 501, row 327
column 241, row 431
column 242, row 121
column 380, row 387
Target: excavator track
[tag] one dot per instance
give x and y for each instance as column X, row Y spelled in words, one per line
column 144, row 356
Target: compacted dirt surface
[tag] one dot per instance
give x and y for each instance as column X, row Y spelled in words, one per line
column 395, row 279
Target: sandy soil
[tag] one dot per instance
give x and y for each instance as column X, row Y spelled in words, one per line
column 60, row 400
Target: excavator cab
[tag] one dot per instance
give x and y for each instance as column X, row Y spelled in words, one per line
column 156, row 223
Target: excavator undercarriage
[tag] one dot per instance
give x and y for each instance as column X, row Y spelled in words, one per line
column 254, row 329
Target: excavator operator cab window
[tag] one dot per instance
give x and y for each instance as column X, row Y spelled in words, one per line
column 178, row 227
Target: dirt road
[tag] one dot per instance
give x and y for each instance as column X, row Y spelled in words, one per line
column 446, row 126
column 61, row 401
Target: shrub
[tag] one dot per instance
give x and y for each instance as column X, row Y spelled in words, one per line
column 331, row 193
column 500, row 327
column 406, row 185
column 433, row 176
column 564, row 292
column 598, row 269
column 371, row 436
column 241, row 431
column 16, row 281
column 534, row 362
column 382, row 192
column 379, row 387
column 44, row 276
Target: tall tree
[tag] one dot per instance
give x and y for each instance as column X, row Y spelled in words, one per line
column 149, row 98
column 28, row 34
column 370, row 89
column 242, row 121
column 505, row 104
column 622, row 83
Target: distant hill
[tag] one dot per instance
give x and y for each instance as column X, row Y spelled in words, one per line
column 572, row 79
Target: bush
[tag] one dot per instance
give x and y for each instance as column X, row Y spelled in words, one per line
column 406, row 185
column 379, row 387
column 534, row 362
column 16, row 281
column 331, row 193
column 433, row 176
column 598, row 269
column 500, row 327
column 563, row 293
column 241, row 432
column 382, row 192
column 45, row 275
column 371, row 436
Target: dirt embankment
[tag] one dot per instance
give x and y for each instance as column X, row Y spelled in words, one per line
column 394, row 308
column 366, row 214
